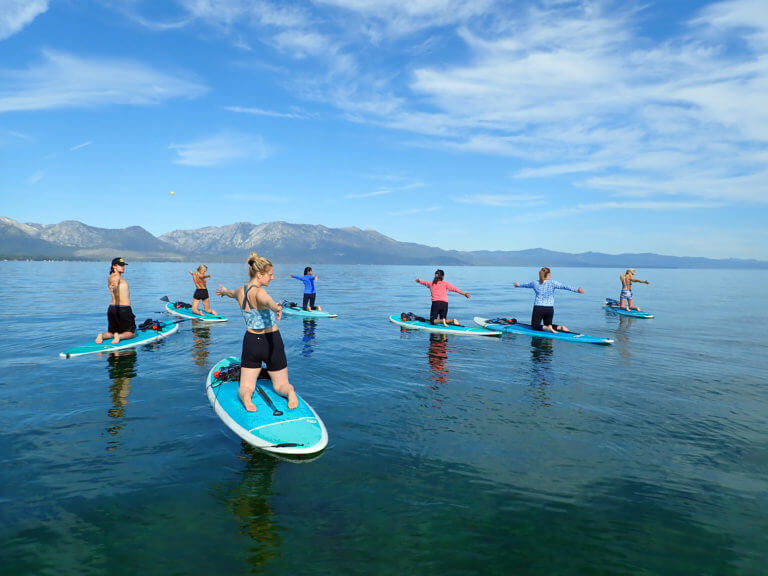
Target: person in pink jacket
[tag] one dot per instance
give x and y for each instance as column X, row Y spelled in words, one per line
column 439, row 289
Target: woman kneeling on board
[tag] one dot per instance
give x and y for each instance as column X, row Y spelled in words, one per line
column 262, row 341
column 439, row 289
column 544, row 304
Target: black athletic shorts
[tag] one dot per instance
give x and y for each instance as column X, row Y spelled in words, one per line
column 268, row 348
column 120, row 319
column 200, row 294
column 542, row 315
column 308, row 299
column 439, row 310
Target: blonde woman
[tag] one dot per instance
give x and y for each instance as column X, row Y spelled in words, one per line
column 200, row 278
column 544, row 303
column 262, row 341
column 626, row 299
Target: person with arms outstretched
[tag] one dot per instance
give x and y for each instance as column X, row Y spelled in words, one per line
column 121, row 323
column 544, row 304
column 438, row 289
column 262, row 341
column 626, row 299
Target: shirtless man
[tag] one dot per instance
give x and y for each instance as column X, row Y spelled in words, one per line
column 121, row 323
column 626, row 300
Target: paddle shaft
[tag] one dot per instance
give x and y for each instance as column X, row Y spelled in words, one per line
column 268, row 400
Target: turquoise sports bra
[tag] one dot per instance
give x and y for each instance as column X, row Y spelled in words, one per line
column 256, row 319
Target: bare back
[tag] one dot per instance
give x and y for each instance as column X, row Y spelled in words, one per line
column 119, row 290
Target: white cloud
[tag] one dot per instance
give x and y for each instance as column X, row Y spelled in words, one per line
column 15, row 15
column 369, row 194
column 500, row 200
column 651, row 205
column 271, row 113
column 81, row 145
column 36, row 177
column 413, row 211
column 66, row 81
column 222, row 148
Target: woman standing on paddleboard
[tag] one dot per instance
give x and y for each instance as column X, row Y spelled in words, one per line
column 439, row 289
column 200, row 278
column 544, row 304
column 262, row 341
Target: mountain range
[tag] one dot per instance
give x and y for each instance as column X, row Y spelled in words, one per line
column 296, row 243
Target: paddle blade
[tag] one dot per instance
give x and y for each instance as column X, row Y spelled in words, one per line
column 165, row 299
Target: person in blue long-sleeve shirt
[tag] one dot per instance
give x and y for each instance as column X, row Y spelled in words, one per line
column 544, row 304
column 308, row 303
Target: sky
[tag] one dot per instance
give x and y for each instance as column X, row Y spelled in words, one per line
column 575, row 126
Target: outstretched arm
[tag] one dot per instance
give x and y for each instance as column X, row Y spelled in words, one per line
column 641, row 281
column 222, row 291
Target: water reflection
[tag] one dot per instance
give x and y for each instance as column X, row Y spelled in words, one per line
column 437, row 355
column 308, row 339
column 121, row 367
column 543, row 375
column 622, row 336
column 202, row 338
column 249, row 500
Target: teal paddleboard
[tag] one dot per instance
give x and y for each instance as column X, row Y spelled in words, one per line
column 440, row 329
column 529, row 331
column 298, row 311
column 293, row 432
column 613, row 306
column 187, row 313
column 142, row 337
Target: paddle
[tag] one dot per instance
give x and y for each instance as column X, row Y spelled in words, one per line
column 267, row 399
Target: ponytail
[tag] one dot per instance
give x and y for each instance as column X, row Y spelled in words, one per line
column 543, row 273
column 439, row 275
column 257, row 264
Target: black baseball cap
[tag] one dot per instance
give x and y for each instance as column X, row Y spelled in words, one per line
column 119, row 261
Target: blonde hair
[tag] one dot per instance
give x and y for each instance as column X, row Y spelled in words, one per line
column 258, row 264
column 543, row 273
column 202, row 268
column 630, row 271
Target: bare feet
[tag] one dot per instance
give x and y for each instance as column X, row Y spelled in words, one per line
column 99, row 338
column 247, row 402
column 116, row 339
column 293, row 400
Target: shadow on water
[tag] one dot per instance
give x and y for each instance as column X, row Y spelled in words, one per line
column 121, row 367
column 308, row 338
column 202, row 339
column 543, row 375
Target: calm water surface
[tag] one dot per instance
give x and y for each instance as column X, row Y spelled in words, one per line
column 453, row 455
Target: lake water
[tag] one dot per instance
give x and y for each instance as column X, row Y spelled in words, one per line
column 446, row 456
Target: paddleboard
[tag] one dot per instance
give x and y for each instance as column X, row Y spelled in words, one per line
column 142, row 337
column 613, row 306
column 440, row 329
column 529, row 331
column 187, row 313
column 298, row 311
column 296, row 432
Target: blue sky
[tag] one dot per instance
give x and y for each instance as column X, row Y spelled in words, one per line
column 573, row 126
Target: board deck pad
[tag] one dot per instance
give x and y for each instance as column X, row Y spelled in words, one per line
column 187, row 313
column 613, row 306
column 295, row 432
column 142, row 337
column 299, row 311
column 529, row 331
column 440, row 329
